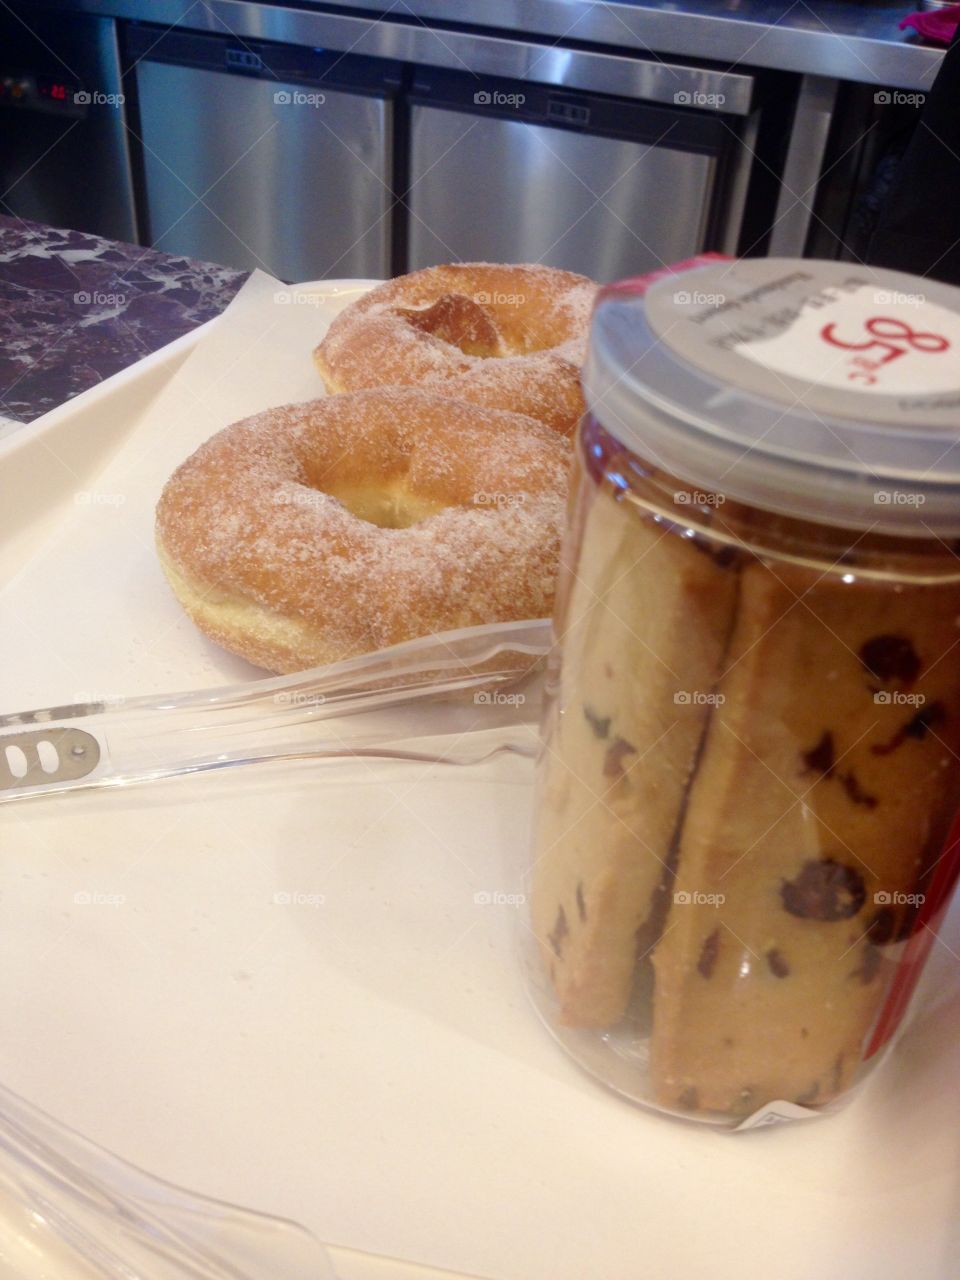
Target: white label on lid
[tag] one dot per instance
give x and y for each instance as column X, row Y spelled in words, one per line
column 867, row 339
column 777, row 1112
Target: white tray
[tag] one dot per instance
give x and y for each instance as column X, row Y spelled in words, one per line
column 369, row 1065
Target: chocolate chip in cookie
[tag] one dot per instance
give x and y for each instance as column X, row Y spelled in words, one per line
column 613, row 760
column 599, row 724
column 581, row 904
column 872, row 959
column 708, row 954
column 558, row 933
column 856, row 792
column 890, row 658
column 917, row 728
column 824, row 890
column 882, row 927
column 819, row 759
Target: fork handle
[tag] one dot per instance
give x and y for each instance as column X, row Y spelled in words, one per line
column 64, row 749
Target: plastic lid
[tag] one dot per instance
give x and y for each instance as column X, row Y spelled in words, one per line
column 823, row 390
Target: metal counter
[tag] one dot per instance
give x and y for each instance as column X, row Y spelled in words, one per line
column 716, row 55
column 836, row 39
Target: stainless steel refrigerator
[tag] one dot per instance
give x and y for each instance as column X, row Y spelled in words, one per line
column 603, row 185
column 265, row 155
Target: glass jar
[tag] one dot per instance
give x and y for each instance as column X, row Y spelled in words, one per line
column 751, row 740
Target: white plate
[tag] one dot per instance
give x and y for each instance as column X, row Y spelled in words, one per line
column 362, row 1057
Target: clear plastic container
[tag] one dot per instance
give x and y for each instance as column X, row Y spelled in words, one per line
column 751, row 759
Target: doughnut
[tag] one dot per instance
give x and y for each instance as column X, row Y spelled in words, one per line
column 315, row 532
column 505, row 337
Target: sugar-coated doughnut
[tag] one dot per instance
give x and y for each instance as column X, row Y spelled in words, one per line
column 506, row 337
column 314, row 532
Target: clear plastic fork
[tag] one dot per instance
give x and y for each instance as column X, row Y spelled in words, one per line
column 72, row 1210
column 359, row 707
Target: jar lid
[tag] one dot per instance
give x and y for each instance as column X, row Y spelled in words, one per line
column 824, row 390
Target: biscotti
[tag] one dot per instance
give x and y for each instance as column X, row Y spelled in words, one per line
column 638, row 673
column 816, row 811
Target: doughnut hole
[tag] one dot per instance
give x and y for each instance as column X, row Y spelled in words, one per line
column 390, row 473
column 486, row 325
column 393, row 507
column 527, row 325
column 459, row 320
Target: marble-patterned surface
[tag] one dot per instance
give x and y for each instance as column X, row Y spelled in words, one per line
column 75, row 309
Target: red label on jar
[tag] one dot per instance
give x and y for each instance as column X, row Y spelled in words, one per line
column 637, row 286
column 918, row 945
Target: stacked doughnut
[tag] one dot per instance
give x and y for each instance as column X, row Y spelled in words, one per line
column 427, row 493
column 503, row 337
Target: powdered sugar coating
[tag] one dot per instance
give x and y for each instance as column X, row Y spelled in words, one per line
column 539, row 318
column 251, row 521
